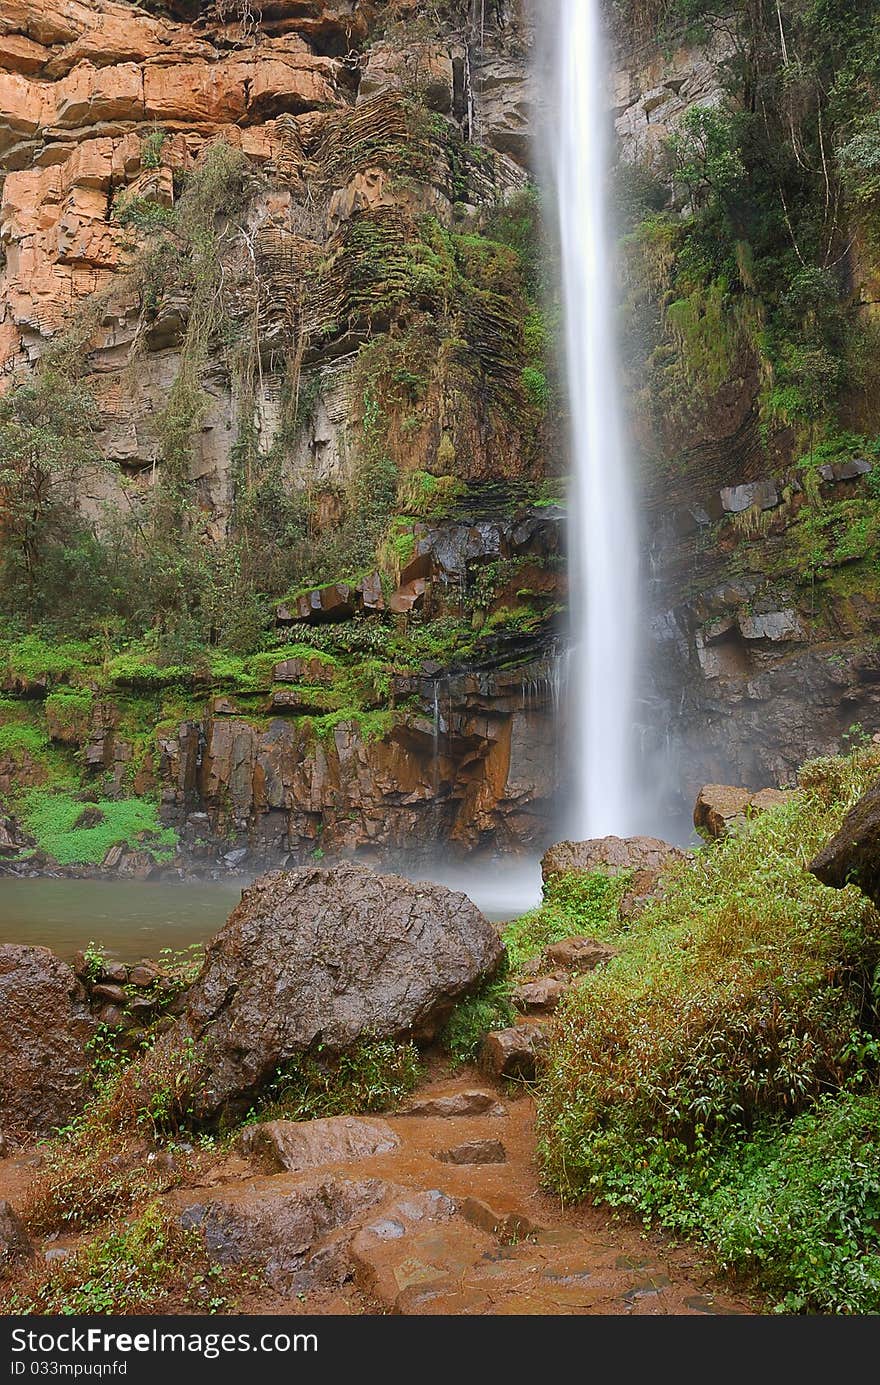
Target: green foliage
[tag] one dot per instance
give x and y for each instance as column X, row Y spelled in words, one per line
column 705, row 156
column 475, row 1017
column 152, row 1265
column 17, row 739
column 75, row 832
column 47, row 425
column 738, row 1001
column 799, row 1208
column 373, row 1076
column 573, row 905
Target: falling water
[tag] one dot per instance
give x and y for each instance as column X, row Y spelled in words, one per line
column 602, row 536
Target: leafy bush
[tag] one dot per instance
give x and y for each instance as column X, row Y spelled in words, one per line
column 800, row 1208
column 474, row 1018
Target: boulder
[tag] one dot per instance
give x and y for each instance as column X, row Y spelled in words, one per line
column 611, row 855
column 322, row 957
column 44, row 1028
column 721, row 810
column 281, row 1229
column 852, row 857
column 646, row 857
column 298, row 1145
column 577, row 954
column 539, row 993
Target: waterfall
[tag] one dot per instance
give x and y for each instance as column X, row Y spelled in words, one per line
column 602, row 533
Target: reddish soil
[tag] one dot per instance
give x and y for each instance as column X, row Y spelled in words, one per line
column 496, row 1243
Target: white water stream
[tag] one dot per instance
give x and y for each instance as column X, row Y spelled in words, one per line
column 602, row 537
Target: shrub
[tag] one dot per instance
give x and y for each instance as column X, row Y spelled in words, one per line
column 737, row 1002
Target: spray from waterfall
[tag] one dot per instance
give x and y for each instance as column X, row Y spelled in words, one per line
column 602, row 534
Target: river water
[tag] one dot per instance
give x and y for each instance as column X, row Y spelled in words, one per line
column 134, row 919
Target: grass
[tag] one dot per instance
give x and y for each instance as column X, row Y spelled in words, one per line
column 573, row 905
column 153, row 1265
column 79, row 833
column 693, row 1070
column 373, row 1076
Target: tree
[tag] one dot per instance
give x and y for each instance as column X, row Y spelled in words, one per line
column 47, row 446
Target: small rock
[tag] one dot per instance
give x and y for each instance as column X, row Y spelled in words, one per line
column 471, row 1103
column 298, row 1145
column 55, row 1254
column 513, row 1052
column 578, row 954
column 544, row 993
column 114, row 995
column 473, row 1152
column 143, row 975
column 112, row 1016
column 115, row 972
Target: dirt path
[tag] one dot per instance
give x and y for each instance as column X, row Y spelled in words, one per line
column 407, row 1232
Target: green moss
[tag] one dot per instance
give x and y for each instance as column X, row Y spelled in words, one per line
column 34, row 657
column 75, row 832
column 17, row 739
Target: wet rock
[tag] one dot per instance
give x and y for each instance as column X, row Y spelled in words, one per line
column 721, row 809
column 144, row 974
column 416, row 1241
column 577, row 954
column 852, row 857
column 763, row 494
column 776, row 626
column 611, row 854
column 113, row 995
column 44, row 1028
column 408, row 597
column 514, row 1052
column 298, row 1145
column 280, row 1227
column 646, row 857
column 543, row 993
column 323, row 956
column 473, row 1152
column 309, row 671
column 470, row 1103
column 15, row 1244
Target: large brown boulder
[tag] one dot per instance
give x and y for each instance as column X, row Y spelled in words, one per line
column 609, row 854
column 646, row 857
column 721, row 809
column 853, row 856
column 322, row 958
column 44, row 1027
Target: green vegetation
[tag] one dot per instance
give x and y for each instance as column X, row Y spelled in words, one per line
column 76, row 832
column 704, row 1076
column 375, row 1075
column 472, row 1020
column 749, row 270
column 152, row 1265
